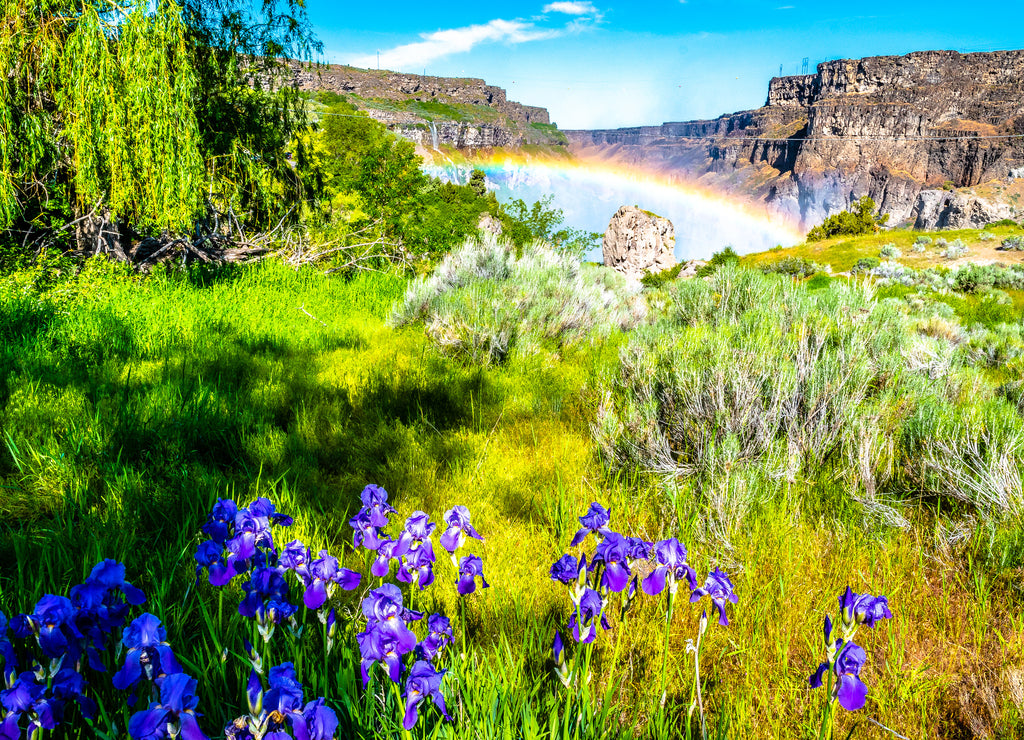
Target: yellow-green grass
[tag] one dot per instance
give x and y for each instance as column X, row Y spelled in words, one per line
column 842, row 252
column 129, row 405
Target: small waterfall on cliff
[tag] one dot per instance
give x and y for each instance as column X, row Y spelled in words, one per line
column 433, row 136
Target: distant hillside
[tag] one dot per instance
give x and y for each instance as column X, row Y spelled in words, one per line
column 463, row 113
column 931, row 136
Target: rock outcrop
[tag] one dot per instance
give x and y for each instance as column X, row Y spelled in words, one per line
column 887, row 127
column 489, row 118
column 939, row 209
column 638, row 242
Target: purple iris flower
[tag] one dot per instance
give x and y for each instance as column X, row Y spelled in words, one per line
column 378, row 644
column 439, row 635
column 106, row 576
column 423, row 682
column 69, row 685
column 324, row 574
column 863, row 609
column 565, row 570
column 173, row 716
column 365, row 532
column 383, row 607
column 671, row 567
column 210, row 555
column 720, row 589
column 557, row 647
column 284, row 694
column 264, row 509
column 221, row 521
column 595, row 520
column 50, row 622
column 387, row 551
column 470, row 567
column 639, row 549
column 586, row 615
column 457, row 525
column 148, row 652
column 6, row 649
column 295, row 557
column 266, row 597
column 26, row 697
column 317, row 721
column 418, row 529
column 375, row 502
column 614, row 553
column 417, row 567
column 849, row 689
column 251, row 532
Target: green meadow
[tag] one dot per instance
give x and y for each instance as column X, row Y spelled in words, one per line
column 129, row 404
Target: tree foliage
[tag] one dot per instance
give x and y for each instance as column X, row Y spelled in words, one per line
column 860, row 219
column 150, row 114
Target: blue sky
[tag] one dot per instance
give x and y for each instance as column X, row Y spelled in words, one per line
column 600, row 64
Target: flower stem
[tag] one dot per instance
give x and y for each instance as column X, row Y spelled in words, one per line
column 826, row 713
column 664, row 654
column 696, row 675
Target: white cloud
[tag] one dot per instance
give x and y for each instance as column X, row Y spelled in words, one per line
column 438, row 44
column 571, row 8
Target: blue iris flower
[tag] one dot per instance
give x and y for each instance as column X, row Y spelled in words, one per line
column 595, row 522
column 423, row 682
column 148, row 653
column 470, row 568
column 173, row 716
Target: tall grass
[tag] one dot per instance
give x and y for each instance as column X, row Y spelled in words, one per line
column 129, row 405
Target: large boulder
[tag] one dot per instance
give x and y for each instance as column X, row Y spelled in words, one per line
column 939, row 209
column 639, row 242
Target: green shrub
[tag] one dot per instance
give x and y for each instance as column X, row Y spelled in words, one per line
column 860, row 219
column 925, row 240
column 986, row 236
column 795, row 266
column 483, row 301
column 659, row 279
column 1003, row 222
column 889, row 251
column 727, row 256
column 865, row 264
column 752, row 377
column 1012, row 244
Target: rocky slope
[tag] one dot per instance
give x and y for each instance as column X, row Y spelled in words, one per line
column 463, row 113
column 899, row 129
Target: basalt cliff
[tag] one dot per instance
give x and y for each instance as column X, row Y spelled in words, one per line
column 936, row 138
column 462, row 113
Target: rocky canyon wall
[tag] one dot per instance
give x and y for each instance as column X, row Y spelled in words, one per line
column 887, row 127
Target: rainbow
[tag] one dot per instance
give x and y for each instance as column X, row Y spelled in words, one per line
column 718, row 217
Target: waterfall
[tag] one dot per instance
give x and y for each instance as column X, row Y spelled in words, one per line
column 433, row 135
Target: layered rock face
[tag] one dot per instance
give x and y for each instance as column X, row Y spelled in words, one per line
column 506, row 123
column 638, row 242
column 887, row 127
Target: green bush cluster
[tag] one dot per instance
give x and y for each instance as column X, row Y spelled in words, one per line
column 889, row 251
column 859, row 219
column 484, row 301
column 752, row 378
column 660, row 279
column 795, row 266
column 725, row 256
column 1012, row 244
column 865, row 264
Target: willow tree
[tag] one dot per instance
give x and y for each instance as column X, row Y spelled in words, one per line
column 146, row 113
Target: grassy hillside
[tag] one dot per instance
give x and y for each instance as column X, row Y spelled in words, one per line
column 129, row 405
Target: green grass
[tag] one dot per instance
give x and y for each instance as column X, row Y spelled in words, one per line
column 128, row 405
column 843, row 252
